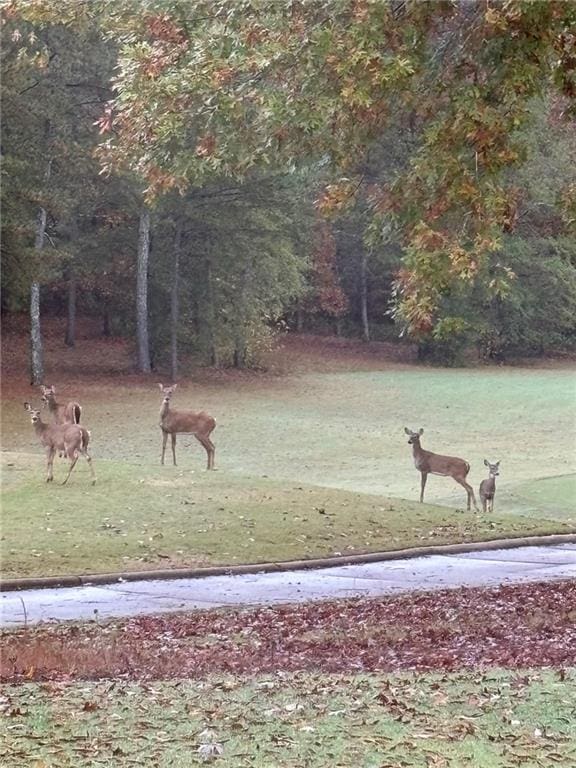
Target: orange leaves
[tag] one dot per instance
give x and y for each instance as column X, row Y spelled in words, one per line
column 105, row 122
column 206, row 145
column 424, row 238
column 161, row 27
column 336, row 197
column 329, row 296
column 222, row 76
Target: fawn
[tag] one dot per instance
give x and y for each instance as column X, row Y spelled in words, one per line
column 488, row 487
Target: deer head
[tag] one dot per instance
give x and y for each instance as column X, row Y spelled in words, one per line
column 34, row 414
column 494, row 469
column 414, row 436
column 167, row 391
column 48, row 394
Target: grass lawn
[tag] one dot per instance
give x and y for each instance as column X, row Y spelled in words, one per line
column 165, row 518
column 313, row 462
column 493, row 718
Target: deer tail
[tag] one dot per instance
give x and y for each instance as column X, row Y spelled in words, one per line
column 85, row 439
column 77, row 410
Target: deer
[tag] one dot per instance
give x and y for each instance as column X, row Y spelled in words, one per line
column 488, row 487
column 63, row 414
column 427, row 463
column 68, row 439
column 200, row 424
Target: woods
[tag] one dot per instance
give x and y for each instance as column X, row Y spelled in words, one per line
column 199, row 176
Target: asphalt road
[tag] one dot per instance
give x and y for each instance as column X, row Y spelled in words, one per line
column 473, row 569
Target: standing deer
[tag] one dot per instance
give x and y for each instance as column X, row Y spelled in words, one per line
column 200, row 424
column 488, row 487
column 427, row 463
column 68, row 439
column 63, row 414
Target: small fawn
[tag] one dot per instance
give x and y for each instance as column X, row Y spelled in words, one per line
column 488, row 487
column 68, row 439
column 198, row 423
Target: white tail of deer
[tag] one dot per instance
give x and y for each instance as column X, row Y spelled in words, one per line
column 62, row 414
column 428, row 463
column 68, row 439
column 200, row 424
column 488, row 487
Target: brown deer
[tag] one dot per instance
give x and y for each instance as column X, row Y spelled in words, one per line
column 200, row 424
column 427, row 463
column 488, row 487
column 68, row 439
column 62, row 414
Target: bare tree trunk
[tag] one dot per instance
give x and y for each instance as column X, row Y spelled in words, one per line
column 299, row 319
column 174, row 303
column 70, row 338
column 142, row 339
column 364, row 295
column 210, row 315
column 37, row 365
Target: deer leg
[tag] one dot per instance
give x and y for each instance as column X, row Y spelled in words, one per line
column 89, row 460
column 173, row 436
column 469, row 492
column 424, row 477
column 50, row 453
column 483, row 500
column 208, row 447
column 164, row 441
column 73, row 456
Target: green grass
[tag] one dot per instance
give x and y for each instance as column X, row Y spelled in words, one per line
column 337, row 435
column 495, row 718
column 167, row 519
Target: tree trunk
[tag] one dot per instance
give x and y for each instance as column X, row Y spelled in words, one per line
column 106, row 326
column 142, row 338
column 36, row 362
column 210, row 316
column 174, row 303
column 70, row 338
column 299, row 319
column 364, row 295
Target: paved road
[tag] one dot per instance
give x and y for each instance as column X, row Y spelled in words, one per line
column 424, row 573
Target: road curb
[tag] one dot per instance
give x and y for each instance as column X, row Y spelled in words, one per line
column 44, row 582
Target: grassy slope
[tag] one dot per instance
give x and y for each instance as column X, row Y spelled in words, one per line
column 339, row 430
column 167, row 519
column 494, row 718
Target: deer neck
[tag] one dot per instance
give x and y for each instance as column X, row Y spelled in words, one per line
column 164, row 411
column 39, row 427
column 420, row 456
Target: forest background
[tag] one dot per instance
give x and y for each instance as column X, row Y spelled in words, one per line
column 199, row 177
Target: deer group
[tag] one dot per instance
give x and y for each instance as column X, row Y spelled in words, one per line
column 70, row 439
column 428, row 463
column 64, row 434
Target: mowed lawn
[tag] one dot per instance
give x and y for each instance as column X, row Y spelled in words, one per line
column 312, row 462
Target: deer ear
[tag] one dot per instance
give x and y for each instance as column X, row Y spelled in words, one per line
column 407, row 431
column 27, row 407
column 173, row 387
column 420, row 431
column 485, row 463
column 161, row 387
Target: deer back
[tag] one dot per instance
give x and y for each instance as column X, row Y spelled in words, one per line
column 437, row 464
column 186, row 421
